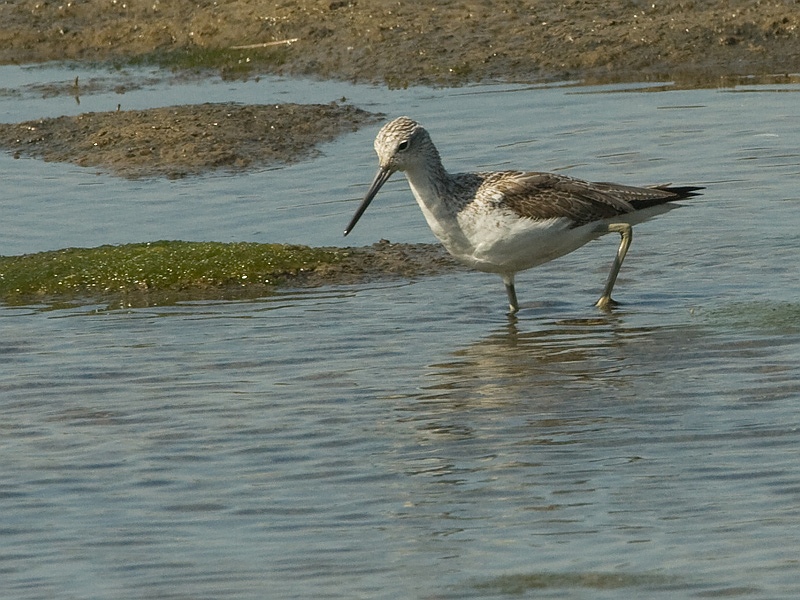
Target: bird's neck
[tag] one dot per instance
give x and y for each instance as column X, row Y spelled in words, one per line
column 430, row 183
column 433, row 188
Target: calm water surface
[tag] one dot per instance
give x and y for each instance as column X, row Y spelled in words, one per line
column 403, row 439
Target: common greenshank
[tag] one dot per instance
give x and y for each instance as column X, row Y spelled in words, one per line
column 507, row 221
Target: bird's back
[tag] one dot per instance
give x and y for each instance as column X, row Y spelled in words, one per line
column 545, row 196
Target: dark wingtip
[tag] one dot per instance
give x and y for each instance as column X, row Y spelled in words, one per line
column 687, row 191
column 680, row 192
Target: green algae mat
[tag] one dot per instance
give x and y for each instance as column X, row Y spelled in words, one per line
column 170, row 271
column 164, row 265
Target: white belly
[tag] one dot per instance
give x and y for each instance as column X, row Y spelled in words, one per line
column 509, row 244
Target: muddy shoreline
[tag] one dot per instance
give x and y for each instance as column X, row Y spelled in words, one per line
column 396, row 44
column 405, row 43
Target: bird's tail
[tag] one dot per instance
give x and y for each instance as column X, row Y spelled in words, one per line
column 666, row 193
column 679, row 192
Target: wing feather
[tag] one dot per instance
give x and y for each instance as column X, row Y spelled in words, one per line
column 542, row 196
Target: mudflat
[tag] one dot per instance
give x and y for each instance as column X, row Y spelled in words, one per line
column 402, row 43
column 388, row 42
column 190, row 139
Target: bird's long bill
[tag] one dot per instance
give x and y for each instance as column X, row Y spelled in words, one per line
column 380, row 178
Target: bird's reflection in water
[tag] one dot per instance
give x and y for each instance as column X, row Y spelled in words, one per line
column 560, row 358
column 558, row 373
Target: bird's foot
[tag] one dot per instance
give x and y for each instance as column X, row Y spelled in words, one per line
column 606, row 303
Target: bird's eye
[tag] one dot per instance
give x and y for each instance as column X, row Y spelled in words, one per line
column 403, row 145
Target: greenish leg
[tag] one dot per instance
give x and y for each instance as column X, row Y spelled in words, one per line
column 626, row 234
column 513, row 305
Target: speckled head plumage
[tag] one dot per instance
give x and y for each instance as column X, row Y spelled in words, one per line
column 401, row 144
column 401, row 128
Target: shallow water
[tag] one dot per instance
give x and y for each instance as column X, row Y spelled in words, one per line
column 403, row 439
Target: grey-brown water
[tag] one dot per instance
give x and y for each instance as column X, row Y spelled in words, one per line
column 403, row 439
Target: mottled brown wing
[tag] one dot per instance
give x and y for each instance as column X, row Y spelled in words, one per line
column 547, row 196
